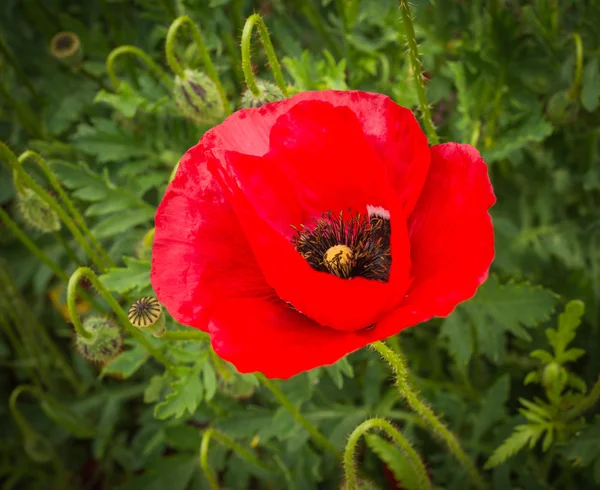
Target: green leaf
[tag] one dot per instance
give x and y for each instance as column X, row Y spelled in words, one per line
column 522, row 435
column 533, row 129
column 120, row 222
column 173, row 472
column 155, row 388
column 395, row 460
column 584, row 447
column 135, row 276
column 108, row 142
column 493, row 406
column 126, row 363
column 590, row 91
column 106, row 426
column 126, row 101
column 494, row 311
column 568, row 321
column 209, row 379
column 187, row 394
column 337, row 371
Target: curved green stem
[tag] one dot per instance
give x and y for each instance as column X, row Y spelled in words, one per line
column 192, row 334
column 209, row 66
column 23, row 425
column 317, row 436
column 576, row 86
column 25, row 179
column 229, row 443
column 77, row 217
column 112, row 302
column 121, row 50
column 270, row 51
column 417, row 69
column 411, row 455
column 398, row 365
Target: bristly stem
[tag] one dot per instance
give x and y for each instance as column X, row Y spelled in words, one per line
column 114, row 305
column 229, row 443
column 190, row 334
column 209, row 66
column 317, row 436
column 417, row 69
column 411, row 455
column 143, row 56
column 269, row 50
column 23, row 178
column 407, row 391
column 575, row 89
column 66, row 201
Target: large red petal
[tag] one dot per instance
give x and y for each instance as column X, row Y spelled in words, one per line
column 391, row 130
column 199, row 251
column 343, row 304
column 451, row 235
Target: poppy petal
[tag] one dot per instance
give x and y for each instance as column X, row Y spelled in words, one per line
column 199, row 250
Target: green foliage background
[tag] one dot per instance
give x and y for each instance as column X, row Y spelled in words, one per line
column 510, row 376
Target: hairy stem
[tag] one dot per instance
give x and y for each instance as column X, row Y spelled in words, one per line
column 400, row 369
column 411, row 455
column 149, row 62
column 263, row 32
column 209, row 66
column 575, row 89
column 417, row 70
column 77, row 217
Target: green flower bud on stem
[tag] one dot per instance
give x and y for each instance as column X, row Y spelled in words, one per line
column 269, row 93
column 197, row 97
column 147, row 315
column 36, row 212
column 66, row 47
column 104, row 343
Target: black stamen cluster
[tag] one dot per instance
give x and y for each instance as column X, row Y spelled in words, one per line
column 367, row 237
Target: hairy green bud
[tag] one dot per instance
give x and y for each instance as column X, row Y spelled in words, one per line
column 552, row 373
column 147, row 315
column 269, row 93
column 105, row 342
column 36, row 212
column 197, row 97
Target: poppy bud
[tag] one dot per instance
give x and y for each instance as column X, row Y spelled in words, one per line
column 36, row 212
column 105, row 342
column 197, row 97
column 66, row 47
column 147, row 315
column 269, row 93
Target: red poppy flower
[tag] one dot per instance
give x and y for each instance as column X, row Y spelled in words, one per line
column 301, row 231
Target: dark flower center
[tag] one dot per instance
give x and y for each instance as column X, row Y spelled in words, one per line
column 144, row 312
column 350, row 246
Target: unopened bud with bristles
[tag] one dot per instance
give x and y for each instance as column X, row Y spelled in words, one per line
column 104, row 343
column 36, row 212
column 147, row 315
column 197, row 97
column 269, row 93
column 66, row 47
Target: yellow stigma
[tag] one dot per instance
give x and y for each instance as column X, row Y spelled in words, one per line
column 339, row 259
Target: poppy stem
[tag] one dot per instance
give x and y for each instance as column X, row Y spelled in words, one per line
column 51, row 176
column 407, row 450
column 209, row 66
column 417, row 69
column 231, row 444
column 317, row 435
column 23, row 179
column 114, row 305
column 407, row 391
column 269, row 50
column 137, row 52
column 575, row 89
